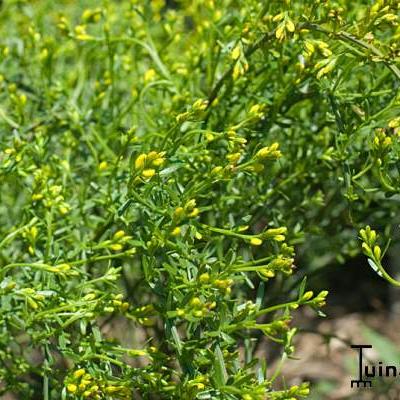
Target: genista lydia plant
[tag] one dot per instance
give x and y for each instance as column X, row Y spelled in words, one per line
column 161, row 163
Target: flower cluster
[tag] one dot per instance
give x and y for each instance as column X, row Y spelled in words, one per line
column 146, row 165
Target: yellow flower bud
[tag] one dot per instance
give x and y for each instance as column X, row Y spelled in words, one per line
column 366, row 248
column 204, row 278
column 103, row 165
column 112, row 389
column 216, row 170
column 255, row 241
column 119, row 234
column 198, row 236
column 307, row 295
column 116, row 247
column 235, row 53
column 158, row 162
column 377, row 252
column 88, row 297
column 195, row 302
column 279, row 238
column 257, row 167
column 267, row 273
column 152, row 155
column 236, row 72
column 280, row 32
column 269, row 152
column 255, row 109
column 210, row 137
column 176, row 231
column 198, row 313
column 179, row 212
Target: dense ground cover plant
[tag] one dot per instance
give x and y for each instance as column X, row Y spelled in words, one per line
column 160, row 164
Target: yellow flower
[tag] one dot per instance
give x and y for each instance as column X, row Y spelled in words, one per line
column 194, row 213
column 148, row 173
column 269, row 152
column 23, row 99
column 278, row 17
column 179, row 212
column 140, row 161
column 72, row 388
column 310, row 48
column 255, row 109
column 290, row 25
column 79, row 372
column 64, row 209
column 394, row 123
column 327, row 66
column 280, row 31
column 81, row 34
column 233, row 158
column 200, row 105
column 149, row 75
column 236, row 71
column 91, row 15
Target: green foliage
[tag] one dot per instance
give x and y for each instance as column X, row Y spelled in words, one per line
column 159, row 163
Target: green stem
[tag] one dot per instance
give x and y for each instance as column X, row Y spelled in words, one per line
column 49, row 240
column 226, row 232
column 11, row 235
column 385, row 275
column 345, row 36
column 384, row 182
column 275, row 308
column 362, row 172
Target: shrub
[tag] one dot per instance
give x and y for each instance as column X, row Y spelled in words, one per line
column 159, row 164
